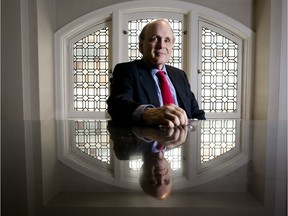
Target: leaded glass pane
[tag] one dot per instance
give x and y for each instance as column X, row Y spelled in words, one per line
column 93, row 139
column 90, row 56
column 134, row 29
column 135, row 165
column 174, row 158
column 217, row 138
column 219, row 73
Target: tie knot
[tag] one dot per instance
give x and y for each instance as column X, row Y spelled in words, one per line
column 160, row 147
column 160, row 73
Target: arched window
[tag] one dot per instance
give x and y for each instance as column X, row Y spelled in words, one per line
column 214, row 50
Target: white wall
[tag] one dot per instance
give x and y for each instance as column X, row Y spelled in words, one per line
column 68, row 10
column 277, row 63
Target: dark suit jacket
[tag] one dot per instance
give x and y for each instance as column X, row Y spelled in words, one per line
column 126, row 144
column 133, row 85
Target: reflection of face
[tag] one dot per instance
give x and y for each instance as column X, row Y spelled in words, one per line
column 158, row 43
column 156, row 178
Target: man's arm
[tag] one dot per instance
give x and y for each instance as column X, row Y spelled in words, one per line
column 120, row 102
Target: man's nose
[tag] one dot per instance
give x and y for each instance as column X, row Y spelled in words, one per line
column 161, row 43
column 160, row 179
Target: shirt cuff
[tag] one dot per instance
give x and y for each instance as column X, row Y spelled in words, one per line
column 136, row 115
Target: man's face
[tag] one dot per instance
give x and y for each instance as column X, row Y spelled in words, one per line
column 158, row 43
column 156, row 177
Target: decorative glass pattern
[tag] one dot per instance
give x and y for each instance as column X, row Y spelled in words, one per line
column 93, row 139
column 134, row 29
column 219, row 72
column 217, row 138
column 174, row 158
column 135, row 165
column 91, row 71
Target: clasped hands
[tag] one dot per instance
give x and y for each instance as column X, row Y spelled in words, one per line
column 170, row 137
column 168, row 115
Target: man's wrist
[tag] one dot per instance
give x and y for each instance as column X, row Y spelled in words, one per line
column 137, row 114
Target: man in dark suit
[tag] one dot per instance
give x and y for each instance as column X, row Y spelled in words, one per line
column 136, row 92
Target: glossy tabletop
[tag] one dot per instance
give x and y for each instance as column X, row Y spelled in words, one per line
column 93, row 167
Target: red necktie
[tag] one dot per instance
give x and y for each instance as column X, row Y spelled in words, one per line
column 165, row 89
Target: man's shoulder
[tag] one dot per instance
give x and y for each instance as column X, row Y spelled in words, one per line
column 175, row 72
column 134, row 63
column 134, row 67
column 172, row 68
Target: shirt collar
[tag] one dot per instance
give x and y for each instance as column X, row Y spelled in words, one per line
column 153, row 69
column 155, row 150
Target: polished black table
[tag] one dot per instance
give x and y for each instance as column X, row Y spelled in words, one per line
column 93, row 167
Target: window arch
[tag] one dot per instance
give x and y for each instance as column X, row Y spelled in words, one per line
column 213, row 49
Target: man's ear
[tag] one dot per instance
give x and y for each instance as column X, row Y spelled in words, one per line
column 141, row 47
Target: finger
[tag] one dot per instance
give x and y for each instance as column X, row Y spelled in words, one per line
column 169, row 131
column 175, row 114
column 176, row 134
column 173, row 119
column 182, row 116
column 170, row 116
column 179, row 117
column 183, row 133
column 167, row 123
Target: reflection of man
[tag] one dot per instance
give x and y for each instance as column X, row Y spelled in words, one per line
column 156, row 176
column 150, row 143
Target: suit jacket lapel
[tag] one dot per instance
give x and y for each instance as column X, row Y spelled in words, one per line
column 174, row 77
column 148, row 84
